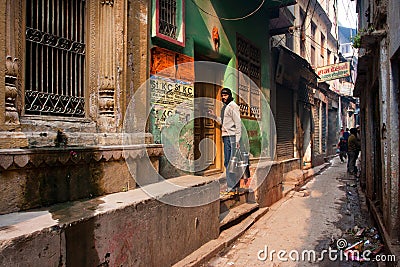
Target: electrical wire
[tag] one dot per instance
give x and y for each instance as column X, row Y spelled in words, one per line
column 347, row 10
column 305, row 15
column 312, row 39
column 312, row 14
column 230, row 19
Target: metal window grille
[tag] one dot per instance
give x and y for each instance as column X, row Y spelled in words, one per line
column 167, row 18
column 249, row 64
column 55, row 57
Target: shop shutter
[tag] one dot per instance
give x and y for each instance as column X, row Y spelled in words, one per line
column 316, row 127
column 323, row 134
column 284, row 123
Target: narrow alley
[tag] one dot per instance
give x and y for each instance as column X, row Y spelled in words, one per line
column 326, row 212
column 193, row 133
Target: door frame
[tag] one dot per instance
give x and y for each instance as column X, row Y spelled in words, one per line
column 218, row 161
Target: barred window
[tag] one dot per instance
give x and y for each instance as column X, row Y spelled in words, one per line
column 249, row 80
column 55, row 57
column 168, row 21
column 168, row 18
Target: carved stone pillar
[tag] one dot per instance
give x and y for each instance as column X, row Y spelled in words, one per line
column 107, row 70
column 13, row 48
column 11, row 84
column 11, row 92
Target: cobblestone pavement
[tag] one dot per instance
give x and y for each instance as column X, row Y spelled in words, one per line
column 328, row 209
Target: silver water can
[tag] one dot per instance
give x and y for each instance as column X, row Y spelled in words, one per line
column 232, row 166
column 245, row 173
column 241, row 168
column 245, row 157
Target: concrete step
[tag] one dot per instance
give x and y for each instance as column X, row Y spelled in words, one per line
column 288, row 186
column 236, row 215
column 227, row 202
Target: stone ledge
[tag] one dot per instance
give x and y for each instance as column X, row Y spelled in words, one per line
column 40, row 177
column 19, row 158
column 115, row 225
column 16, row 224
column 12, row 139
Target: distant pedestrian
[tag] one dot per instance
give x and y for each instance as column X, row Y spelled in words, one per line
column 346, row 134
column 353, row 149
column 342, row 146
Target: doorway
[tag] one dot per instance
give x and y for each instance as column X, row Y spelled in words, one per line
column 207, row 133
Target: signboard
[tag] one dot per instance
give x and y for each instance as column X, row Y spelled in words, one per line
column 333, row 72
column 172, row 103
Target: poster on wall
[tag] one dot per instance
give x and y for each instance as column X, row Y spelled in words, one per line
column 172, row 104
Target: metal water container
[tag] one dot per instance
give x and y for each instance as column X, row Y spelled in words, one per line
column 245, row 172
column 232, row 166
column 245, row 157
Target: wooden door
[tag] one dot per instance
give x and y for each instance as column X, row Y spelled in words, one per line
column 207, row 153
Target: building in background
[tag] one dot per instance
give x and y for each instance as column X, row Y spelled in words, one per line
column 311, row 43
column 350, row 54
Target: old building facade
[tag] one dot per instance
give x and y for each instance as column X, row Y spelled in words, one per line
column 312, row 40
column 377, row 85
column 70, row 69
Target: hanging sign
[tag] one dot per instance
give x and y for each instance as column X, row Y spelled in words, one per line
column 332, row 72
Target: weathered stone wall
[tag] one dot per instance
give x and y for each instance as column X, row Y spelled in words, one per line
column 290, row 165
column 269, row 180
column 389, row 133
column 42, row 177
column 123, row 229
column 392, row 100
column 318, row 159
column 394, row 22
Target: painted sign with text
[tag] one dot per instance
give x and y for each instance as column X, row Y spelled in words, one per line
column 172, row 103
column 333, row 72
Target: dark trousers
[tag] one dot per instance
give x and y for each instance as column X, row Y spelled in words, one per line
column 342, row 155
column 351, row 163
column 229, row 150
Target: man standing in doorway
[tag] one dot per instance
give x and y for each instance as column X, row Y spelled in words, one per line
column 231, row 133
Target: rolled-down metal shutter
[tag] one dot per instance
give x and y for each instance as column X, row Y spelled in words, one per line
column 284, row 123
column 316, row 127
column 323, row 134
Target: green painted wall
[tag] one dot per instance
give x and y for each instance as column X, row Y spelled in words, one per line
column 198, row 41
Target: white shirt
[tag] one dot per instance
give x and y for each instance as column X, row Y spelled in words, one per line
column 232, row 123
